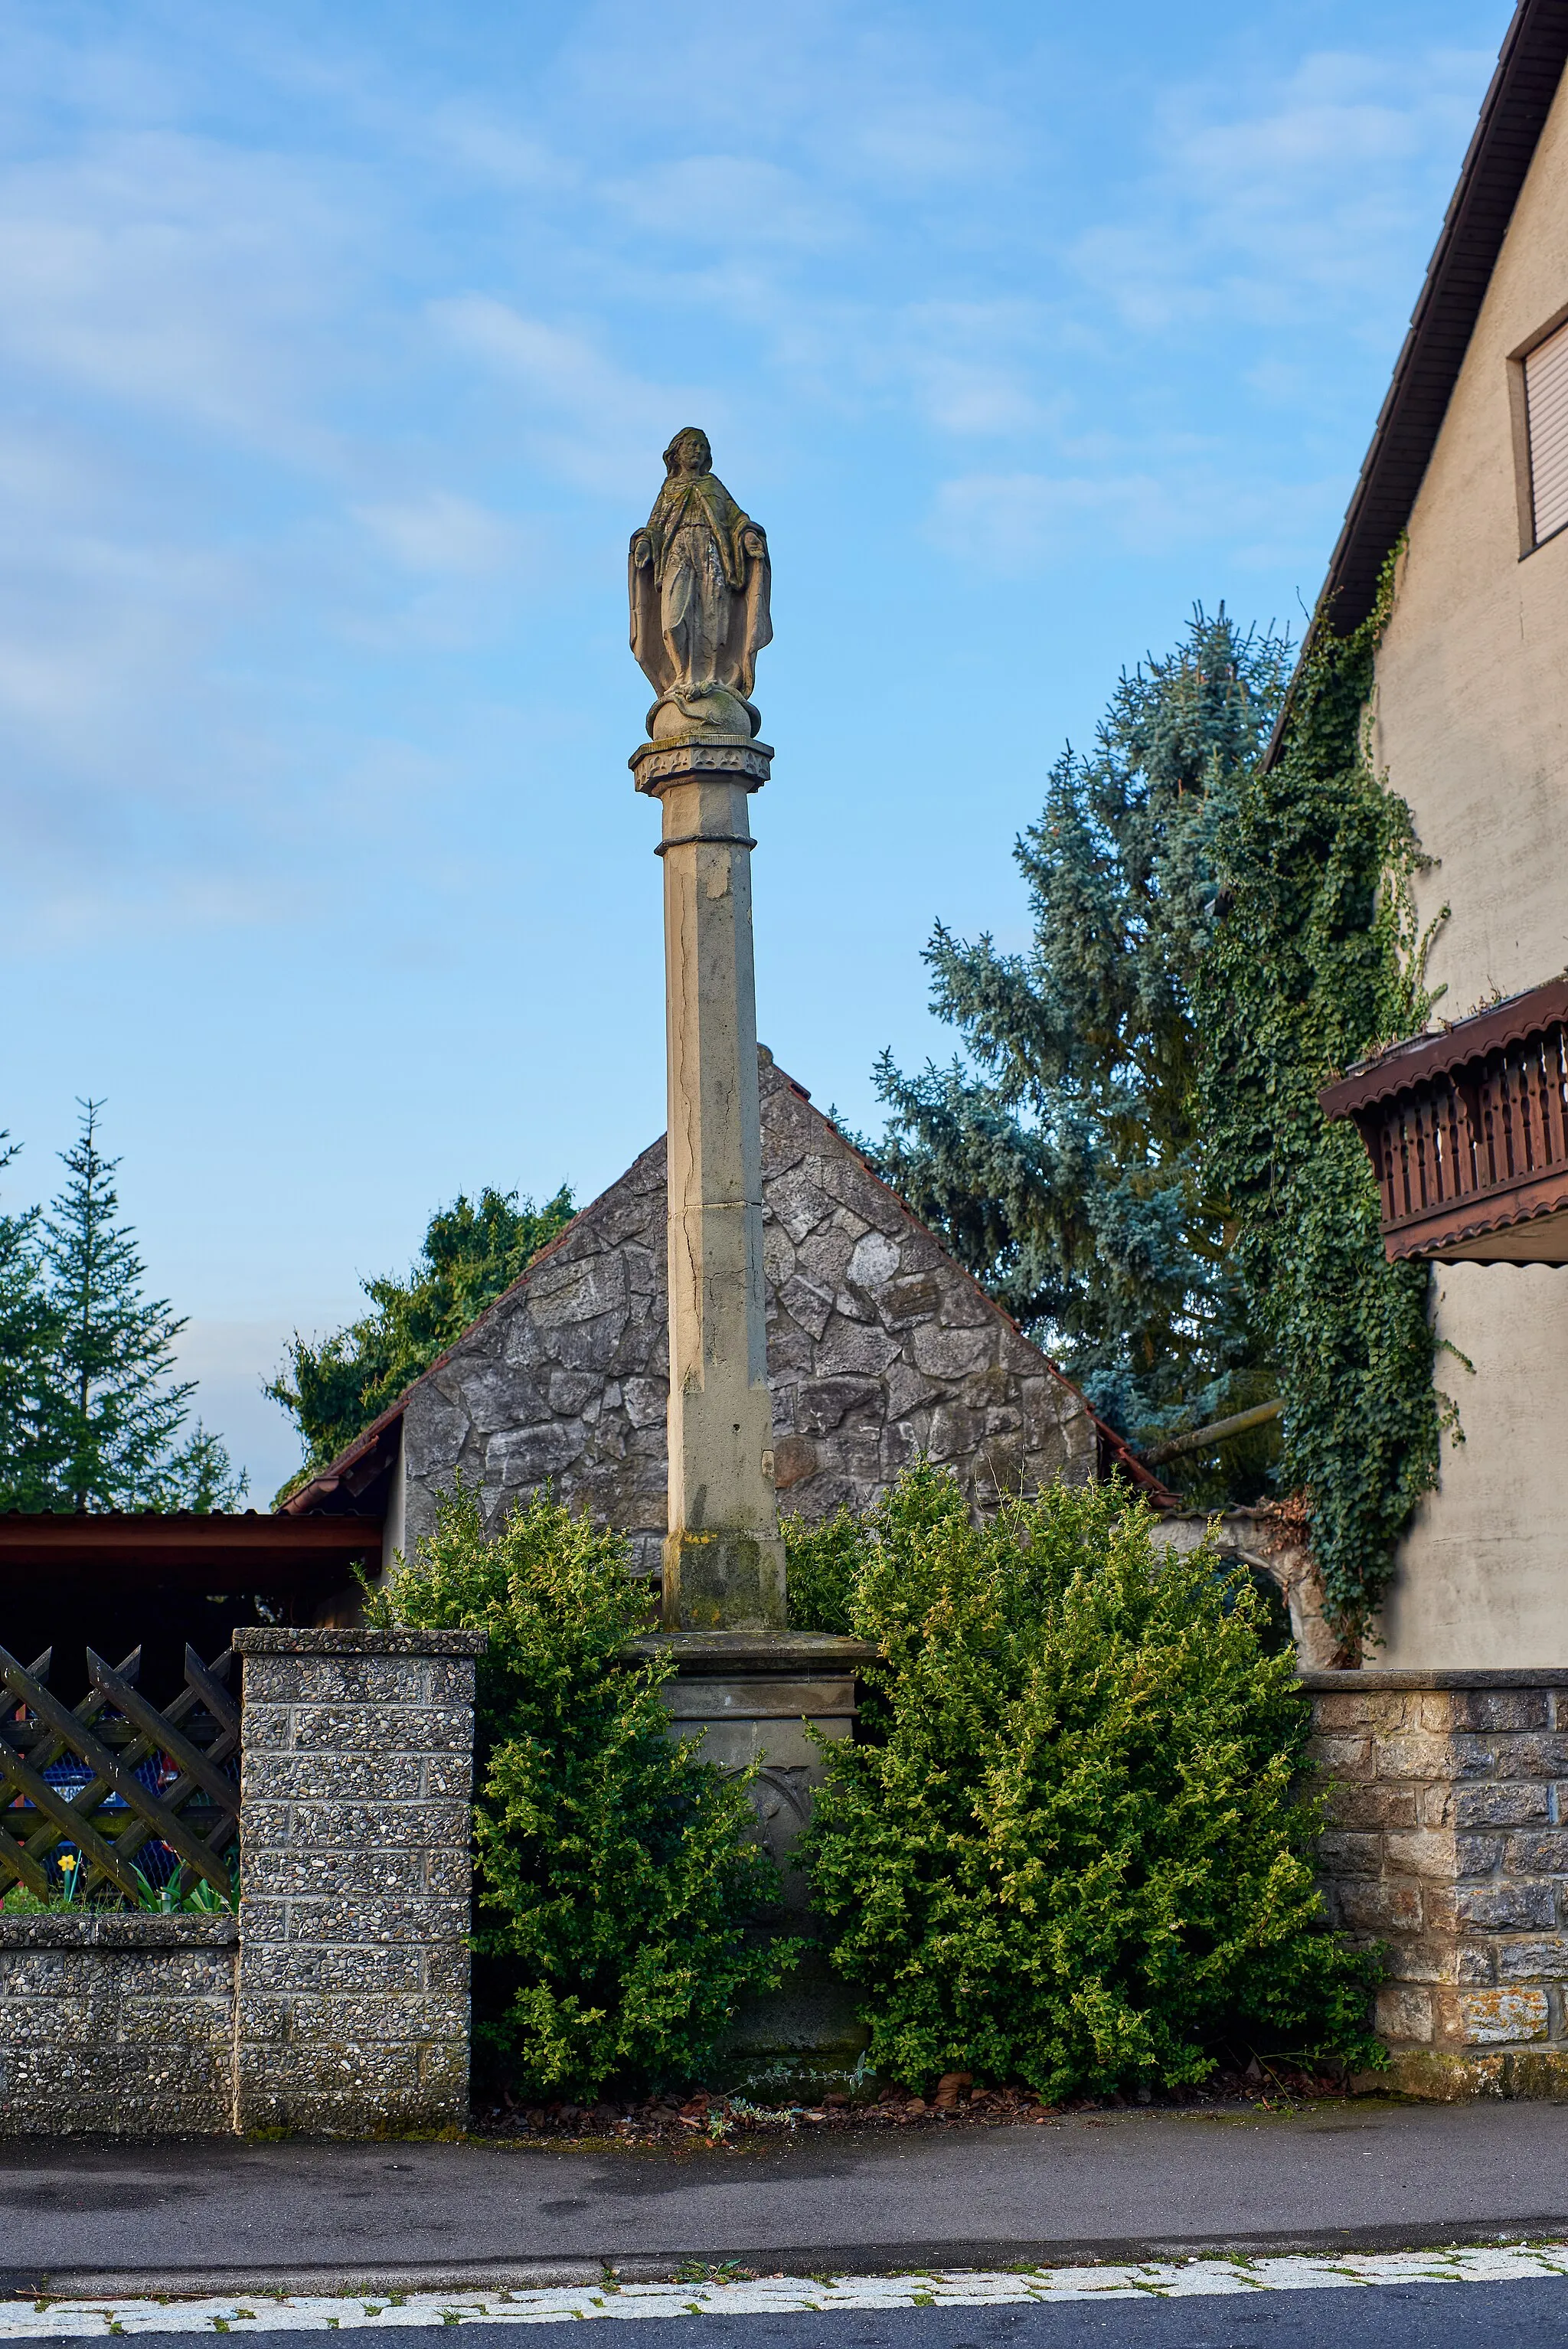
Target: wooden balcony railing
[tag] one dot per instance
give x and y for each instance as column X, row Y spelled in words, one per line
column 1468, row 1132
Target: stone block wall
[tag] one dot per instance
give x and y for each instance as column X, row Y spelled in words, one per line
column 120, row 2025
column 1448, row 1843
column 355, row 1837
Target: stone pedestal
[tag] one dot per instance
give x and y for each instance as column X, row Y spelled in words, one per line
column 749, row 1697
column 1448, row 1843
column 723, row 1561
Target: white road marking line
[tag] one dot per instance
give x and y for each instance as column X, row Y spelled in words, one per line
column 101, row 2318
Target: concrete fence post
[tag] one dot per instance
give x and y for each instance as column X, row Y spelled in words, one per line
column 357, row 1775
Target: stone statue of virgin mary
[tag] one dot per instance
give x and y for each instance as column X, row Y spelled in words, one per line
column 699, row 577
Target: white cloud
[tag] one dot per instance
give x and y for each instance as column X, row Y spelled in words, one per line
column 711, row 202
column 1291, row 205
column 494, row 150
column 974, row 367
column 1021, row 522
column 441, row 532
column 162, row 270
column 246, row 493
column 929, row 137
column 93, row 626
column 593, row 420
column 1016, row 522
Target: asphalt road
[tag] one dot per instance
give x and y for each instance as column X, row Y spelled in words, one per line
column 1391, row 2316
column 204, row 2215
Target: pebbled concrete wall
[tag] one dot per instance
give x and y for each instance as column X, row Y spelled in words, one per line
column 123, row 2025
column 356, row 1777
column 336, row 2003
column 878, row 1347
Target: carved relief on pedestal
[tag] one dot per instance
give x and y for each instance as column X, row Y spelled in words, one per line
column 655, row 764
column 781, row 1798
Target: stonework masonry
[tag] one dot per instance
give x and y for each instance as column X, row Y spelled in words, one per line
column 336, row 2003
column 723, row 1558
column 879, row 1348
column 1270, row 1540
column 1448, row 1843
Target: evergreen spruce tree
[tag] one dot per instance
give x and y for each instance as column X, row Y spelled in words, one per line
column 471, row 1251
column 29, row 1326
column 1058, row 1156
column 112, row 1415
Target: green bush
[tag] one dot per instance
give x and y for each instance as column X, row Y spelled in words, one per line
column 823, row 1561
column 614, row 1872
column 1069, row 1853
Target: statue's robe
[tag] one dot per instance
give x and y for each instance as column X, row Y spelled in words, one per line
column 700, row 608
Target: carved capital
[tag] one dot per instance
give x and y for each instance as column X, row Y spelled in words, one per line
column 657, row 765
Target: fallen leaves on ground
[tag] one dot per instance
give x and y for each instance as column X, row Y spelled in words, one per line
column 707, row 2117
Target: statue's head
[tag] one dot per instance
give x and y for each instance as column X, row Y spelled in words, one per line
column 688, row 453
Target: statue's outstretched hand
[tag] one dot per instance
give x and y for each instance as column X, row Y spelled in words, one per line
column 641, row 550
column 753, row 540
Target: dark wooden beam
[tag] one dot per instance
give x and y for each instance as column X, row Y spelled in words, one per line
column 210, row 1554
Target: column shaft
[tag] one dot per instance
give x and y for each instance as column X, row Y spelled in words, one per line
column 724, row 1562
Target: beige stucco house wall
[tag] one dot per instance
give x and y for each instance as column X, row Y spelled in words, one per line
column 1472, row 708
column 1471, row 726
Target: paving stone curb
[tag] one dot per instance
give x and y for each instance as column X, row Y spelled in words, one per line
column 94, row 2317
column 865, row 2259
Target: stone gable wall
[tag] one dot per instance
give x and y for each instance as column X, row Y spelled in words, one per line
column 879, row 1348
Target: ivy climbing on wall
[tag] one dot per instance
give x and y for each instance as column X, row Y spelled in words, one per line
column 1315, row 962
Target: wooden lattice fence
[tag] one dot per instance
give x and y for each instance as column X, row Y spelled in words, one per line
column 143, row 1796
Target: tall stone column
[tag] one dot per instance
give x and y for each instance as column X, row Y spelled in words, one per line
column 723, row 1561
column 744, row 1683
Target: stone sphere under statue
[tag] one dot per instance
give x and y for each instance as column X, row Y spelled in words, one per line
column 698, row 578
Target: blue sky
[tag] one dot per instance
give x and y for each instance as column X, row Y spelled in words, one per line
column 337, row 347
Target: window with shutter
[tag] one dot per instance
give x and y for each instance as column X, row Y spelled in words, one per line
column 1546, row 408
